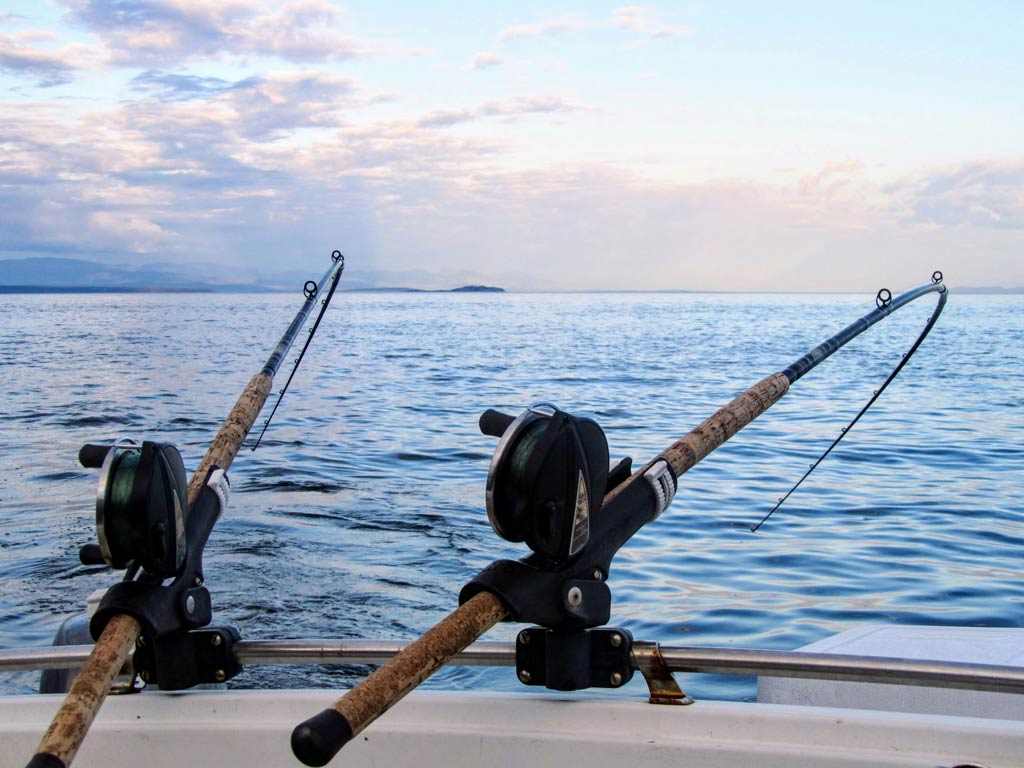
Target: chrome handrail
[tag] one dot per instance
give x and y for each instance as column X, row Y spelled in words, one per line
column 721, row 661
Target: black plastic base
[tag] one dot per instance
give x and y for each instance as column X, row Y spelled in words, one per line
column 44, row 760
column 318, row 739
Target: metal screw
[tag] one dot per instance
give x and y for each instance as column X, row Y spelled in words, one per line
column 575, row 597
column 524, row 638
column 598, row 576
column 216, row 640
column 198, row 580
column 615, row 640
column 524, row 675
column 220, row 676
column 190, row 605
column 616, row 678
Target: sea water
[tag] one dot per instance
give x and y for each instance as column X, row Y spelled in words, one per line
column 362, row 513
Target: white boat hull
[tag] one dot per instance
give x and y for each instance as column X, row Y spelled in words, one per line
column 248, row 729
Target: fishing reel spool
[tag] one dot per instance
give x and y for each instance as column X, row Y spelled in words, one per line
column 547, row 479
column 141, row 506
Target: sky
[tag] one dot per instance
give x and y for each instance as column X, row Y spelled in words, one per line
column 539, row 146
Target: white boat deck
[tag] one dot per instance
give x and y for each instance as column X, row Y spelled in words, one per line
column 813, row 719
column 978, row 645
column 251, row 729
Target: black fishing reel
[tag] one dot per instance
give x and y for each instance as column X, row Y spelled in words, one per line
column 141, row 506
column 547, row 479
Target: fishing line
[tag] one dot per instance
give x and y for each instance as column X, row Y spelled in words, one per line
column 884, row 303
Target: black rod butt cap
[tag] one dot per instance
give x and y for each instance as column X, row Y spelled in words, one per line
column 317, row 740
column 45, row 760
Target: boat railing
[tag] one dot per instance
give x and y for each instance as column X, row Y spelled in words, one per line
column 719, row 661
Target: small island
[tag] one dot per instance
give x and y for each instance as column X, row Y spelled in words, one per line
column 478, row 289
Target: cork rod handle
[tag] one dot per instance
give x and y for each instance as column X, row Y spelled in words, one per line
column 319, row 738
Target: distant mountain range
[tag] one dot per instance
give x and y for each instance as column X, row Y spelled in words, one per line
column 61, row 275
column 988, row 289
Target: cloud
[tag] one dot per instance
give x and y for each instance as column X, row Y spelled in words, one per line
column 278, row 105
column 555, row 26
column 213, row 122
column 831, row 177
column 170, row 86
column 50, row 68
column 485, row 60
column 443, row 118
column 210, row 169
column 640, row 21
column 147, row 159
column 984, row 194
column 644, row 20
column 160, row 32
column 126, row 230
column 304, row 31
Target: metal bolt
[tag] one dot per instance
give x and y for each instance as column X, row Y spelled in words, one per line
column 524, row 638
column 216, row 640
column 524, row 675
column 598, row 576
column 616, row 678
column 198, row 581
column 615, row 639
column 220, row 676
column 190, row 605
column 575, row 597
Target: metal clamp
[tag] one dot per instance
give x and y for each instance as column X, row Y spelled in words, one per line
column 183, row 660
column 661, row 684
column 574, row 660
column 220, row 485
column 663, row 483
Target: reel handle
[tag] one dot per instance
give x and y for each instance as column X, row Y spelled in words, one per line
column 91, row 456
column 91, row 554
column 494, row 423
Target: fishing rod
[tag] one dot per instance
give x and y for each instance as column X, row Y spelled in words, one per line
column 155, row 527
column 551, row 485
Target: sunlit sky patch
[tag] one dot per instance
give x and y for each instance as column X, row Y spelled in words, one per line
column 804, row 146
